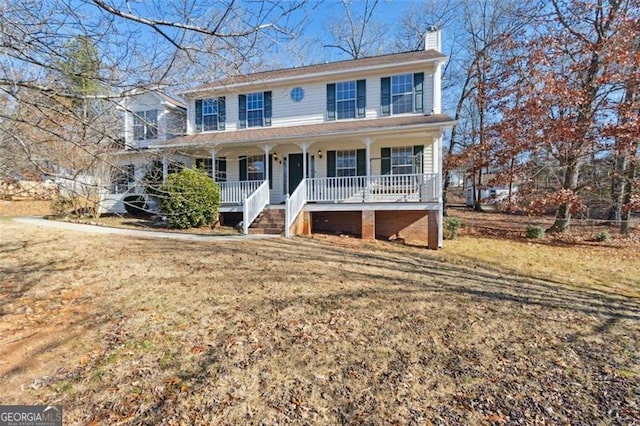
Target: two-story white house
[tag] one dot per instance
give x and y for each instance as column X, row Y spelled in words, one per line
column 352, row 146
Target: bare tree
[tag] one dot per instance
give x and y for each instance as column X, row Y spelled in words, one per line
column 61, row 119
column 358, row 32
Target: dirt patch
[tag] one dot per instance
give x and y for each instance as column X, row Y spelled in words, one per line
column 307, row 331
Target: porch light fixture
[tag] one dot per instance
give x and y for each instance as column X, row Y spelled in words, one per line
column 275, row 156
column 319, row 153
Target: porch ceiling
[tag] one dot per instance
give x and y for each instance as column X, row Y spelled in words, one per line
column 315, row 132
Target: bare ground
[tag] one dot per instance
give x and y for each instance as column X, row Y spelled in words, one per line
column 303, row 331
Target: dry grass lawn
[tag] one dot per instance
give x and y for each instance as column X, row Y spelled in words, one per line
column 316, row 331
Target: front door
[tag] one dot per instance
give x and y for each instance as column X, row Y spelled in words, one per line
column 295, row 171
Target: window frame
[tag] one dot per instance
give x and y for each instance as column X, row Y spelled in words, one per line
column 123, row 179
column 402, row 152
column 214, row 103
column 254, row 160
column 349, row 155
column 352, row 101
column 249, row 110
column 398, row 94
column 141, row 119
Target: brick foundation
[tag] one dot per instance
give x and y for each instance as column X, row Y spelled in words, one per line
column 408, row 226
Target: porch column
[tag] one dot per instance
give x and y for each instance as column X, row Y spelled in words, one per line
column 304, row 146
column 368, row 142
column 213, row 153
column 267, row 150
column 368, row 225
column 165, row 169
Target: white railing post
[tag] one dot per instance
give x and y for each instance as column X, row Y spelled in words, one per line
column 293, row 206
column 253, row 205
column 245, row 215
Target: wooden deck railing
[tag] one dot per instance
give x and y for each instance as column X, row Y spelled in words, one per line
column 385, row 188
column 235, row 192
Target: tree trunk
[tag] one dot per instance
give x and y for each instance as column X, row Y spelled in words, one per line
column 477, row 206
column 625, row 224
column 617, row 189
column 446, row 182
column 563, row 214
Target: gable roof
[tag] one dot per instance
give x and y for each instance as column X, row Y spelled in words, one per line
column 373, row 62
column 311, row 131
column 174, row 101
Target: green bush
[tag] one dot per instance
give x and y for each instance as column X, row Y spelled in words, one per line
column 189, row 198
column 534, row 231
column 602, row 236
column 450, row 229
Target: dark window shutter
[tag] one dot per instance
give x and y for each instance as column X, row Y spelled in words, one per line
column 331, row 101
column 270, row 171
column 385, row 96
column 242, row 111
column 199, row 115
column 222, row 112
column 418, row 161
column 361, row 162
column 221, row 169
column 385, row 161
column 362, row 97
column 243, row 168
column 331, row 164
column 267, row 108
column 418, row 83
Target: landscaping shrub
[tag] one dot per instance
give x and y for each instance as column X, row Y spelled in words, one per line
column 136, row 205
column 450, row 229
column 534, row 231
column 602, row 236
column 189, row 198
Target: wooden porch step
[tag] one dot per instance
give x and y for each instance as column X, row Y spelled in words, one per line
column 270, row 221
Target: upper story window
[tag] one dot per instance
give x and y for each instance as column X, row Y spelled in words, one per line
column 254, row 110
column 402, row 94
column 210, row 114
column 346, row 99
column 145, row 125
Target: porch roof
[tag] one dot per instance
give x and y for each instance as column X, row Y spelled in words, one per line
column 312, row 131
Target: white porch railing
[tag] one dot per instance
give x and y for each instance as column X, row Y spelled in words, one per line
column 295, row 203
column 254, row 204
column 235, row 192
column 385, row 188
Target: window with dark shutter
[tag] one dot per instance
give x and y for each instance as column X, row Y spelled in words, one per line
column 385, row 96
column 331, row 101
column 362, row 97
column 198, row 115
column 418, row 83
column 222, row 112
column 242, row 112
column 267, row 108
column 331, row 164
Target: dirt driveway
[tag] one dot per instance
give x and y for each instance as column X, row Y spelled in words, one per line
column 303, row 331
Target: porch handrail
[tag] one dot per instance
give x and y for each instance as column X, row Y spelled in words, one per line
column 235, row 192
column 294, row 204
column 253, row 205
column 421, row 187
